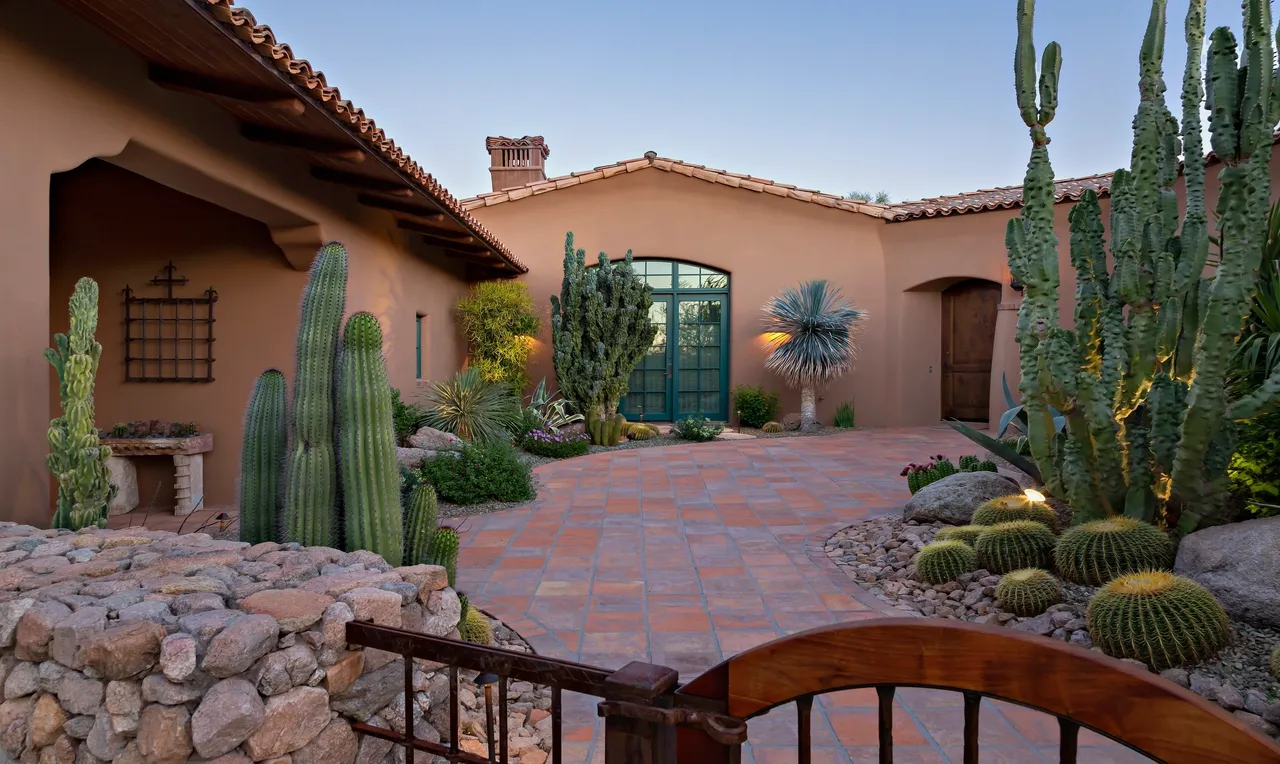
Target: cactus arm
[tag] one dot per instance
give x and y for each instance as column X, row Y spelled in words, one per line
column 1261, row 401
column 371, row 480
column 311, row 498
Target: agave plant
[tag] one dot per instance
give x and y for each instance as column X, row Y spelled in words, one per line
column 471, row 407
column 549, row 409
column 810, row 331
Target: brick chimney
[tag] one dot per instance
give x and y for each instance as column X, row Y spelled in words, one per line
column 516, row 161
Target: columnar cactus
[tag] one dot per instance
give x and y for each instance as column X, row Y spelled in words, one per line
column 311, row 498
column 420, row 524
column 1141, row 378
column 1158, row 618
column 262, row 459
column 443, row 551
column 943, row 561
column 370, row 469
column 1013, row 545
column 600, row 329
column 76, row 457
column 1028, row 591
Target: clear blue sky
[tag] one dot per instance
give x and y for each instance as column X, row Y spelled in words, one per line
column 914, row 97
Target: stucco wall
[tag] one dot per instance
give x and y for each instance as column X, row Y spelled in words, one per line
column 763, row 242
column 90, row 98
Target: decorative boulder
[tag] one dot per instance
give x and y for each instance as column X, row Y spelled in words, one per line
column 791, row 422
column 1240, row 564
column 124, row 476
column 431, row 439
column 954, row 498
column 412, row 458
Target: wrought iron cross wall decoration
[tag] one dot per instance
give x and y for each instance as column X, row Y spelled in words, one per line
column 169, row 339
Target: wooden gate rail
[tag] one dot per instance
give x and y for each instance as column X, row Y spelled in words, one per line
column 641, row 711
column 1143, row 711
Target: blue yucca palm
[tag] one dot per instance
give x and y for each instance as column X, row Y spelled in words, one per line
column 810, row 331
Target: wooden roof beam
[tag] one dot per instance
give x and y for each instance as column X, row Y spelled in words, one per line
column 462, row 237
column 361, row 182
column 310, row 143
column 199, row 84
column 424, row 214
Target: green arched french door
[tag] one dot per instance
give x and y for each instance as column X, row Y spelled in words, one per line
column 686, row 371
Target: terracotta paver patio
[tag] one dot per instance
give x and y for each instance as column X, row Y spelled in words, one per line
column 685, row 555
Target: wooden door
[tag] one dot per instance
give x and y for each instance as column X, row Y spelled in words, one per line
column 968, row 335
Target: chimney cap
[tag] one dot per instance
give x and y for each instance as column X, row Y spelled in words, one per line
column 527, row 142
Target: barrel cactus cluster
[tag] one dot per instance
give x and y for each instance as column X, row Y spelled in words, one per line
column 966, row 533
column 942, row 561
column 76, row 457
column 475, row 627
column 340, row 423
column 1010, row 508
column 1141, row 378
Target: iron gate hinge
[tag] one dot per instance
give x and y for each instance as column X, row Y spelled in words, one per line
column 723, row 729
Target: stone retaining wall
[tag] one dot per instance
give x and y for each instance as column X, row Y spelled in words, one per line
column 144, row 646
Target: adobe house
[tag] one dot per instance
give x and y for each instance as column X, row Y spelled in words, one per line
column 932, row 276
column 148, row 132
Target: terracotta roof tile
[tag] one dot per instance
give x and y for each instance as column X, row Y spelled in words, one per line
column 701, row 172
column 1005, row 197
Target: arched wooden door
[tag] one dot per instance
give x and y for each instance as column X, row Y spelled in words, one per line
column 968, row 336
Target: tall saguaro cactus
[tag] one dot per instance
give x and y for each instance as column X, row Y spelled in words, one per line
column 371, row 477
column 262, row 459
column 77, row 459
column 600, row 329
column 311, row 498
column 1141, row 378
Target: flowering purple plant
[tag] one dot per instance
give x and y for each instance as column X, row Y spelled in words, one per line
column 549, row 441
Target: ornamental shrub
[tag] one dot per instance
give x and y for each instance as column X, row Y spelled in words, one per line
column 754, row 405
column 404, row 416
column 498, row 321
column 1255, row 468
column 472, row 408
column 844, row 417
column 553, row 443
column 697, row 429
column 488, row 471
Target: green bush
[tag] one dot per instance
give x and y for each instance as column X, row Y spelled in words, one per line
column 844, row 416
column 404, row 416
column 1255, row 468
column 556, row 444
column 754, row 405
column 488, row 471
column 498, row 321
column 696, row 429
column 472, row 408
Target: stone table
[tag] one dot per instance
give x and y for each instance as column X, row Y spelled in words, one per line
column 188, row 464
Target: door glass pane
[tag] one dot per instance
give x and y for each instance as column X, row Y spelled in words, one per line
column 699, row 336
column 647, row 385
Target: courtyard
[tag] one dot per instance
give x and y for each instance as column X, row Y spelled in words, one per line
column 687, row 555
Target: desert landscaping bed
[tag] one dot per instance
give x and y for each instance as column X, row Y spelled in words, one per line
column 878, row 555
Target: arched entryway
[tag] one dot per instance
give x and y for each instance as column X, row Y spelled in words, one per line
column 969, row 310
column 686, row 371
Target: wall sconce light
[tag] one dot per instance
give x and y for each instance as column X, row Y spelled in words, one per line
column 1014, row 284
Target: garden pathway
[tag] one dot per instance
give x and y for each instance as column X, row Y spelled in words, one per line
column 685, row 555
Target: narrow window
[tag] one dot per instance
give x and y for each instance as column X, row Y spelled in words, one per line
column 418, row 351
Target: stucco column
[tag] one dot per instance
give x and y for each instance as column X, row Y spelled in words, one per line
column 1005, row 357
column 24, row 334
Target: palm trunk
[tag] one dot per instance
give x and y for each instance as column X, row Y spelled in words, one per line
column 808, row 408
